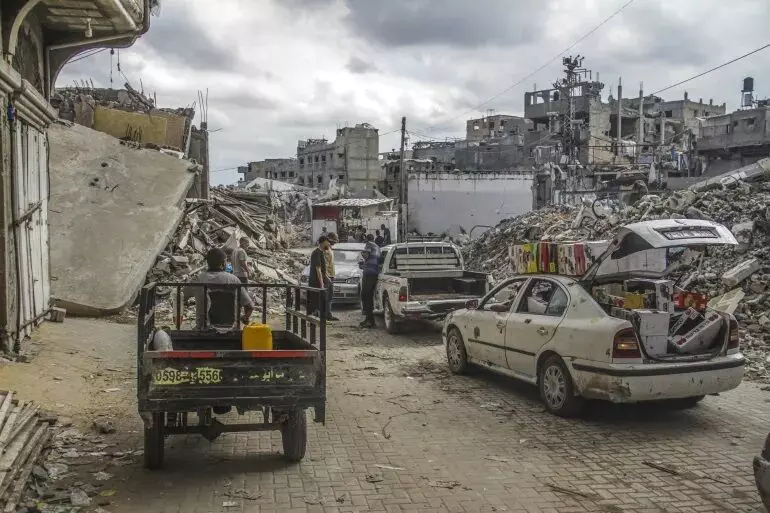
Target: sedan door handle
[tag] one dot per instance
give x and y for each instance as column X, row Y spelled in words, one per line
column 527, row 321
column 543, row 331
column 500, row 325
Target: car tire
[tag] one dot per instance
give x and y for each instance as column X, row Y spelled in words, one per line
column 154, row 442
column 456, row 355
column 557, row 390
column 391, row 326
column 685, row 403
column 294, row 436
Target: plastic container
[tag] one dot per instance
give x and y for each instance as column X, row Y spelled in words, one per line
column 257, row 337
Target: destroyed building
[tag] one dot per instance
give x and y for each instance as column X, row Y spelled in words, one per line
column 352, row 159
column 125, row 114
column 37, row 39
column 272, row 169
column 495, row 126
column 729, row 141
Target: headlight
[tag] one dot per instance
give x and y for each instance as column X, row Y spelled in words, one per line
column 353, row 281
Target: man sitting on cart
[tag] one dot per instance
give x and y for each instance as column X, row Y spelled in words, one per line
column 221, row 301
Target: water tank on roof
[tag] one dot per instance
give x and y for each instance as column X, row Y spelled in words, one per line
column 748, row 84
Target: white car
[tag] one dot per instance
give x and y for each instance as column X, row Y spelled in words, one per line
column 548, row 330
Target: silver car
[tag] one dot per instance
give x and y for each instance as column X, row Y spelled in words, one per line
column 347, row 282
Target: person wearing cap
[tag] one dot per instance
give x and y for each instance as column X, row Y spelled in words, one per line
column 329, row 258
column 215, row 274
column 370, row 265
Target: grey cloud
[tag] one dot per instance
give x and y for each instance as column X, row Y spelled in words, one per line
column 177, row 37
column 461, row 23
column 360, row 66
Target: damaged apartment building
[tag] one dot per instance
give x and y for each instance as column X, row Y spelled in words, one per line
column 352, row 159
column 37, row 38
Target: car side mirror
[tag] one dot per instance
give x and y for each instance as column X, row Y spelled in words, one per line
column 498, row 307
column 472, row 304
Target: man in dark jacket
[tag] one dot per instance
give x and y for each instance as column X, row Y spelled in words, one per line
column 318, row 275
column 370, row 265
column 386, row 235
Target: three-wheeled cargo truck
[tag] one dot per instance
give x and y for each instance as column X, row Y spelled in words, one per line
column 179, row 388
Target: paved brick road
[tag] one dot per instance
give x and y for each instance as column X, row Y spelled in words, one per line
column 403, row 435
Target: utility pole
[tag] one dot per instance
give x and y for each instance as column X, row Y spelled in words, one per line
column 403, row 183
column 640, row 135
column 620, row 116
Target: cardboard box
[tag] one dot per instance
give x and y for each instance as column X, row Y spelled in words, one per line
column 687, row 317
column 633, row 301
column 684, row 300
column 655, row 345
column 565, row 256
column 622, row 313
column 660, row 293
column 700, row 337
column 652, row 323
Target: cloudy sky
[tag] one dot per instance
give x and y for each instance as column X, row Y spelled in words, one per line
column 282, row 70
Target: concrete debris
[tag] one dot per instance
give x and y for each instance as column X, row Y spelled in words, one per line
column 742, row 207
column 269, row 224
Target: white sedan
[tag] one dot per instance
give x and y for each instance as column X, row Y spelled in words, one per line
column 549, row 331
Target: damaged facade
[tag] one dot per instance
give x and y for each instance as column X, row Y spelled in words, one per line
column 37, row 37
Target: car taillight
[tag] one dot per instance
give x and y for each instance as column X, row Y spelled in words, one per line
column 734, row 341
column 402, row 295
column 626, row 345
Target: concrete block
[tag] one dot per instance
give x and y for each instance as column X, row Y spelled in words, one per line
column 58, row 314
column 179, row 260
column 163, row 265
column 740, row 272
column 743, row 232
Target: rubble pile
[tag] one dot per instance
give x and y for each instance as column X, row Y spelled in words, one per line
column 24, row 435
column 742, row 207
column 220, row 222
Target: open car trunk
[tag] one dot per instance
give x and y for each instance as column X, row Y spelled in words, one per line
column 629, row 280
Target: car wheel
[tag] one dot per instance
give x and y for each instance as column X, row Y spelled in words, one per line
column 685, row 403
column 456, row 355
column 557, row 390
column 390, row 318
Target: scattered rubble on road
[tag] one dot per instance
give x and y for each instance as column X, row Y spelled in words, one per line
column 743, row 207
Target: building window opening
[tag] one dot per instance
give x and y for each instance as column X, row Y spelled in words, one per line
column 669, row 113
column 320, row 179
column 315, row 159
column 341, row 177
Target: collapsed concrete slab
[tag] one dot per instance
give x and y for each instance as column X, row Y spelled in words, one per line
column 112, row 210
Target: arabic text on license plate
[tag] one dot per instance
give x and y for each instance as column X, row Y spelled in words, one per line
column 196, row 376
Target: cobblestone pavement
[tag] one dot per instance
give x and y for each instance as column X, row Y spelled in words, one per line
column 404, row 435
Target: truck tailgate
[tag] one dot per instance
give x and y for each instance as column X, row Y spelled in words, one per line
column 196, row 378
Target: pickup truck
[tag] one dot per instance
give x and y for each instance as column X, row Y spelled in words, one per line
column 424, row 281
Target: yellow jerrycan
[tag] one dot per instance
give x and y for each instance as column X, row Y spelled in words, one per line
column 257, row 337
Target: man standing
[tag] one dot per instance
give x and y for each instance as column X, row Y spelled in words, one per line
column 329, row 257
column 318, row 277
column 386, row 235
column 370, row 265
column 379, row 239
column 240, row 261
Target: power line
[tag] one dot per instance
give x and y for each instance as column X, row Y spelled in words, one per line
column 714, row 68
column 555, row 57
column 86, row 55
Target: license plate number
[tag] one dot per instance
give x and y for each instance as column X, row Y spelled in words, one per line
column 196, row 376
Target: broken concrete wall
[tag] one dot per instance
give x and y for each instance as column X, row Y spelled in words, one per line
column 113, row 208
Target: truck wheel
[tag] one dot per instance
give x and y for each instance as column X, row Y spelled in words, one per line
column 557, row 390
column 154, row 442
column 391, row 326
column 294, row 436
column 456, row 355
